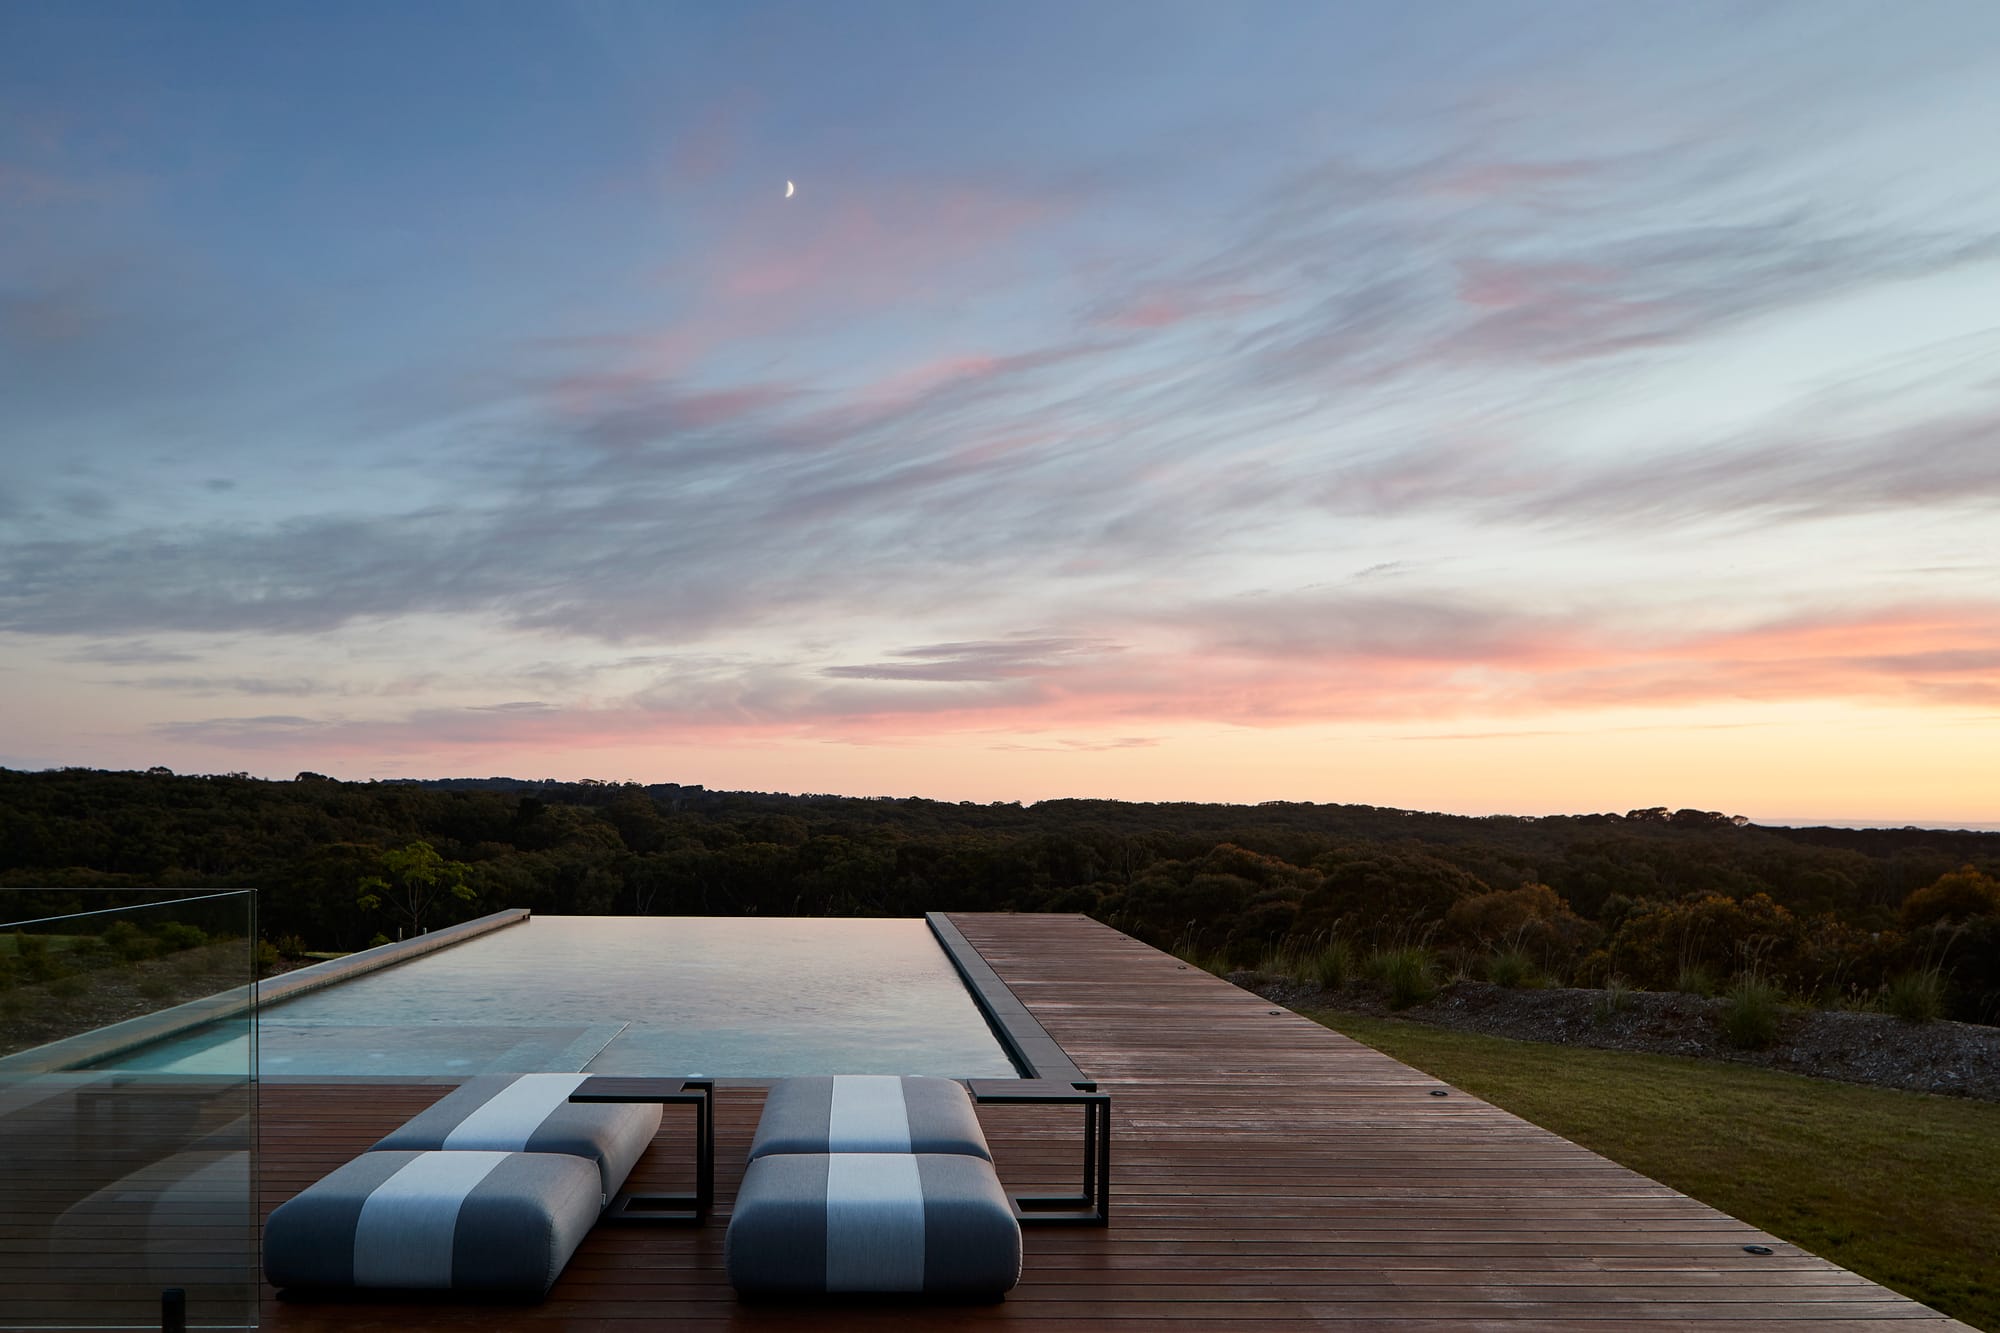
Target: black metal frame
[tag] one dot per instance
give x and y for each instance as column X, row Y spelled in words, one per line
column 1091, row 1207
column 696, row 1092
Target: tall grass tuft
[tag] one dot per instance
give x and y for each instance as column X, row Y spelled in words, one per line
column 1695, row 979
column 1281, row 960
column 1408, row 974
column 1916, row 997
column 1617, row 997
column 1187, row 948
column 1750, row 1012
column 1332, row 965
column 1513, row 969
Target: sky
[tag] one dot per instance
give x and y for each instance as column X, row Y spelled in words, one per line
column 1494, row 408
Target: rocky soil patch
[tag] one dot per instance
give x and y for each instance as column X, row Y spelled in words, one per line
column 1955, row 1059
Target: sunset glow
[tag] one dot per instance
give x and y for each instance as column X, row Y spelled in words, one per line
column 1496, row 409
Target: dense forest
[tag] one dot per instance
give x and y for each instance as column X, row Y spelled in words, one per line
column 1650, row 897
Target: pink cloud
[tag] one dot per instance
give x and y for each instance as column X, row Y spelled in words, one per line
column 1939, row 658
column 1167, row 306
column 1499, row 180
column 1487, row 282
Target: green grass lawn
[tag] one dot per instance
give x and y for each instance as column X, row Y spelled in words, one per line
column 1901, row 1187
column 55, row 943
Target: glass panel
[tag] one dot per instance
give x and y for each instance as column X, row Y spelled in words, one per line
column 117, row 1185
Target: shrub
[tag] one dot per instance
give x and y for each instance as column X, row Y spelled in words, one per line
column 155, row 987
column 1593, row 970
column 267, row 956
column 32, row 958
column 1408, row 974
column 1532, row 920
column 69, row 987
column 1916, row 997
column 87, row 951
column 1959, row 896
column 128, row 941
column 292, row 946
column 1709, row 930
column 1837, row 958
column 1511, row 968
column 1617, row 997
column 177, row 935
column 1381, row 891
column 1750, row 1013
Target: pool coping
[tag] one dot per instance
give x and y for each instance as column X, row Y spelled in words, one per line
column 1027, row 1043
column 87, row 1048
column 1023, row 1040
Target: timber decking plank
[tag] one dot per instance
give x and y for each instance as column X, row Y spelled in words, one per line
column 1268, row 1174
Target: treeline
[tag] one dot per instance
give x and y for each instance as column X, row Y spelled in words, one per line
column 1650, row 896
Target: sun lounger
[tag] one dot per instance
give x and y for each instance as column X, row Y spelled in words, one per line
column 490, row 1189
column 871, row 1184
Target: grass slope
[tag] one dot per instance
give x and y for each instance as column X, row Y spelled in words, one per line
column 1901, row 1187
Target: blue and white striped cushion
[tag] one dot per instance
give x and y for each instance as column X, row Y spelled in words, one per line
column 872, row 1222
column 532, row 1113
column 484, row 1221
column 868, row 1113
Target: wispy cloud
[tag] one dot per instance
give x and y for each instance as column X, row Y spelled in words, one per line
column 1044, row 451
column 1001, row 660
column 296, row 685
column 1821, row 470
column 129, row 652
column 1425, row 669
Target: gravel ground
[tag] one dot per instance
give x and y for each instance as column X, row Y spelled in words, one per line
column 1955, row 1059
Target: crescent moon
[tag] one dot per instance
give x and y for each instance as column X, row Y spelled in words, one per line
column 789, row 187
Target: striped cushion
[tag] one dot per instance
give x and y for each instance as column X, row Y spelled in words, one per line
column 530, row 1113
column 878, row 1222
column 481, row 1221
column 869, row 1113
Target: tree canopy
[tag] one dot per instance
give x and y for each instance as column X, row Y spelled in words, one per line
column 1636, row 894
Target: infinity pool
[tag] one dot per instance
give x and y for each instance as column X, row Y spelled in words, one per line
column 724, row 997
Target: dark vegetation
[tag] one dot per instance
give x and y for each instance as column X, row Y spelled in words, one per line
column 1653, row 898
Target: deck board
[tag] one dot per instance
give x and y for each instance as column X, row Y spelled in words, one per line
column 1268, row 1174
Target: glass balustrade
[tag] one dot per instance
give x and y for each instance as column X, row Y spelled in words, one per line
column 118, row 1186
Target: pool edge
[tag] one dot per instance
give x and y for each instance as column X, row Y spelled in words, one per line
column 115, row 1039
column 1024, row 1040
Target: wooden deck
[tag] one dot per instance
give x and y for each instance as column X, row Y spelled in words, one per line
column 1268, row 1174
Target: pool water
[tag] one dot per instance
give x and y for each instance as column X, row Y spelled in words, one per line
column 721, row 997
